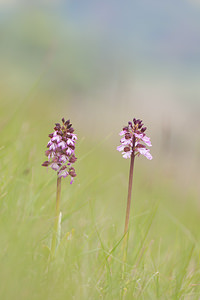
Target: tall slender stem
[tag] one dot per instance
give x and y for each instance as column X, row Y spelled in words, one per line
column 56, row 224
column 128, row 203
column 58, row 196
column 130, row 188
column 129, row 193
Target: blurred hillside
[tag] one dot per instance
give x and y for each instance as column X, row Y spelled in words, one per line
column 106, row 62
column 82, row 45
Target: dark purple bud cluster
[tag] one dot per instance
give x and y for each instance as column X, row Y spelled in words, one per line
column 61, row 150
column 138, row 125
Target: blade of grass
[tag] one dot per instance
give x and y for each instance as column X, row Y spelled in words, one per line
column 147, row 231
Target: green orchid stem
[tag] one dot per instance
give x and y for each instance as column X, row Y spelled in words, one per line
column 56, row 225
column 128, row 206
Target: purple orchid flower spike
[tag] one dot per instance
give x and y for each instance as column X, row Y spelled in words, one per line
column 61, row 157
column 61, row 150
column 134, row 140
column 134, row 143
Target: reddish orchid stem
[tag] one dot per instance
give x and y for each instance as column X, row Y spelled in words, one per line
column 130, row 188
column 125, row 243
column 129, row 193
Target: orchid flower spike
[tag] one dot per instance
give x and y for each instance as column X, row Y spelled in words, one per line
column 61, row 150
column 134, row 140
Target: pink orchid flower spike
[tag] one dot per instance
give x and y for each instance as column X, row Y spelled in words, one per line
column 134, row 143
column 61, row 157
column 134, row 140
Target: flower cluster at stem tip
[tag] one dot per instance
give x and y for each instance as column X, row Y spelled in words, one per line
column 61, row 150
column 134, row 140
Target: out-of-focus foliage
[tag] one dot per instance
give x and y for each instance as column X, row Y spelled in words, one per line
column 100, row 63
column 163, row 256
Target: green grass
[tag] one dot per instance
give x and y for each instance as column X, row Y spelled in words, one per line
column 163, row 251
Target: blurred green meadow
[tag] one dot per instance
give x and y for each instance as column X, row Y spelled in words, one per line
column 100, row 64
column 163, row 251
